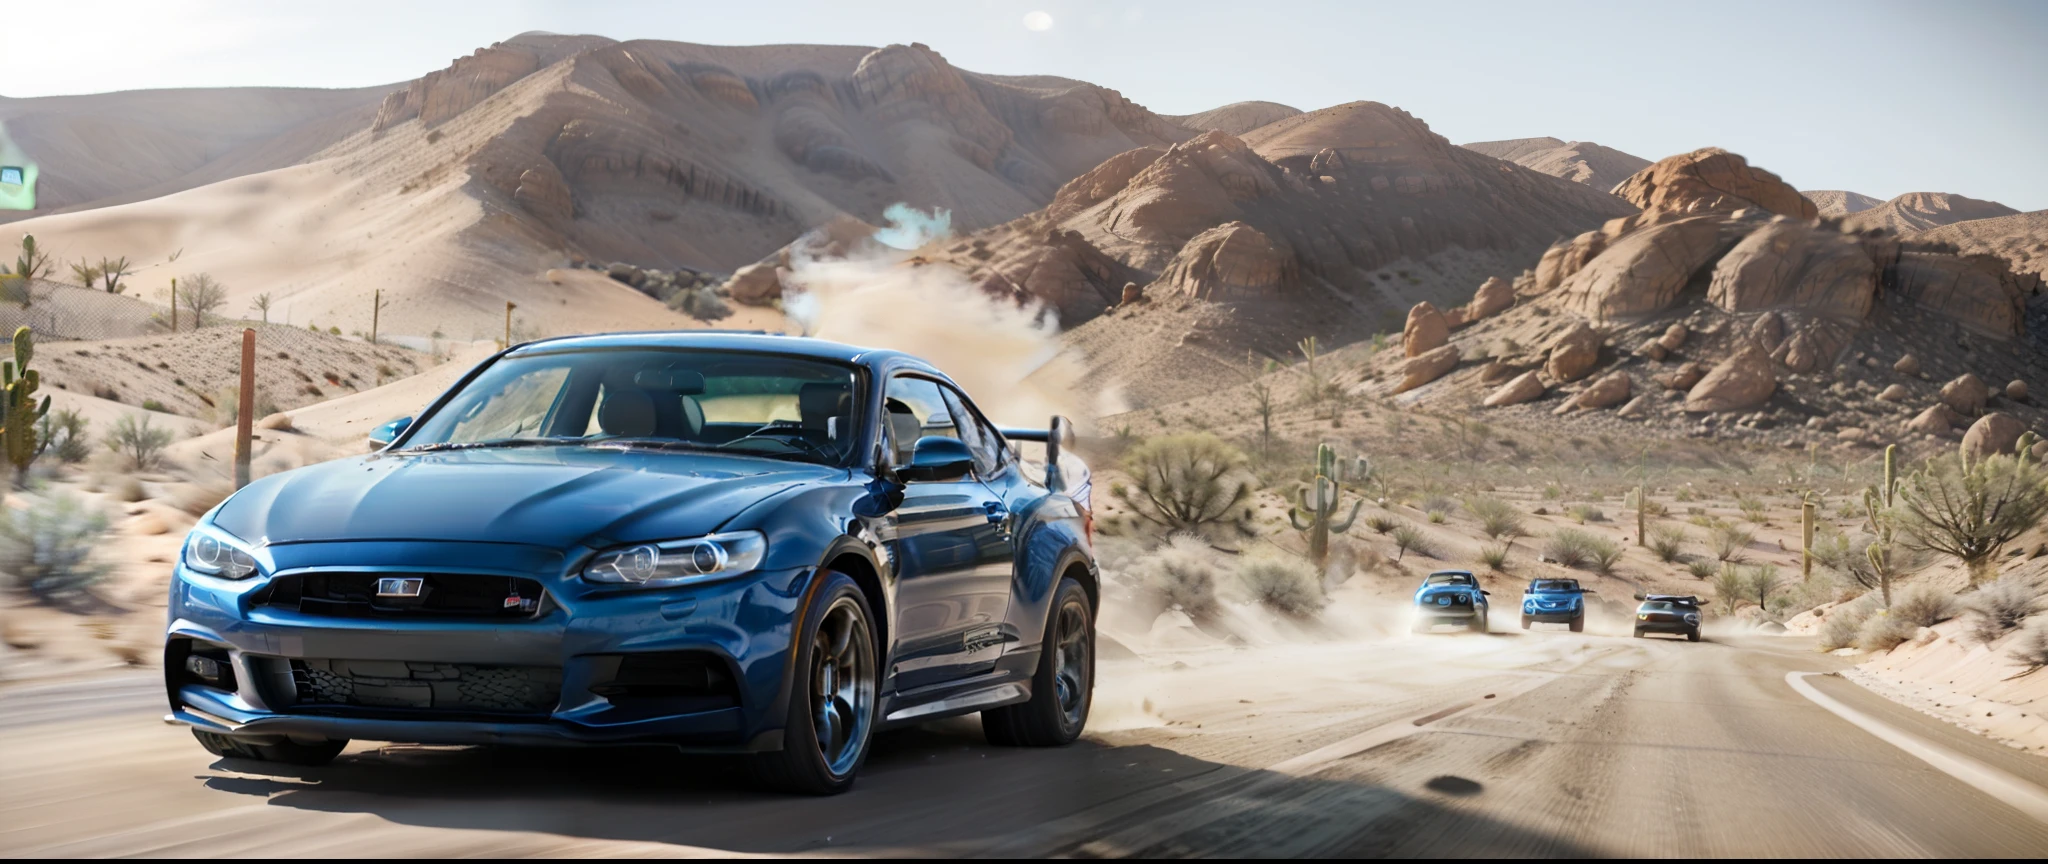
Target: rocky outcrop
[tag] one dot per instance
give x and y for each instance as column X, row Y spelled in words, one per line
column 1992, row 434
column 1581, row 162
column 1965, row 395
column 755, row 285
column 1611, row 389
column 1417, row 371
column 1978, row 291
column 1526, row 387
column 1922, row 211
column 1425, row 331
column 1230, row 263
column 1069, row 274
column 1493, row 297
column 1643, row 272
column 1787, row 263
column 1712, row 179
column 442, row 94
column 1743, row 381
column 1573, row 353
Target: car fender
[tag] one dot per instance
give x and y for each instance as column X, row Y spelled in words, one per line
column 1052, row 539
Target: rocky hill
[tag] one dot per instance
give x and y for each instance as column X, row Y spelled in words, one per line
column 1237, row 118
column 2022, row 240
column 1709, row 315
column 1835, row 202
column 1578, row 161
column 1921, row 211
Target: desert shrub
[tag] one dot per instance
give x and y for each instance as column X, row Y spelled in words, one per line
column 1408, row 538
column 1701, row 568
column 1569, row 547
column 2032, row 648
column 1763, row 581
column 2001, row 605
column 1283, row 584
column 1381, row 524
column 1436, row 517
column 1970, row 510
column 1752, row 508
column 154, row 405
column 1186, row 482
column 135, row 439
column 701, row 303
column 1845, row 622
column 65, row 432
column 47, row 545
column 1494, row 556
column 1685, row 495
column 1497, row 518
column 127, row 490
column 1605, row 554
column 1552, row 492
column 1584, row 513
column 1924, row 606
column 1183, row 572
column 1438, row 504
column 1883, row 631
column 1667, row 541
column 1730, row 587
column 1634, row 500
column 1729, row 541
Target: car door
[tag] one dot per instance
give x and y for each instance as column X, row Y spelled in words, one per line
column 945, row 533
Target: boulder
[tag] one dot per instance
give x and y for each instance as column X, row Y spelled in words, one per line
column 1526, row 387
column 1611, row 389
column 1992, row 433
column 1637, row 408
column 1743, row 381
column 1132, row 294
column 1644, row 271
column 1938, row 419
column 1792, row 264
column 1492, row 298
column 1682, row 378
column 1894, row 393
column 1229, row 263
column 1966, row 395
column 1674, row 336
column 1573, row 353
column 1495, row 372
column 1712, row 179
column 1652, row 349
column 1420, row 370
column 755, row 285
column 280, row 422
column 1803, row 352
column 2016, row 390
column 1978, row 291
column 1426, row 330
column 1907, row 365
column 1768, row 330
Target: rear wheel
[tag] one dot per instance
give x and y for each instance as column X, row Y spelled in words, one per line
column 284, row 752
column 832, row 701
column 1579, row 624
column 1064, row 685
column 1478, row 624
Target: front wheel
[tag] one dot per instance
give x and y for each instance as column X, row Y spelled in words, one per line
column 1639, row 632
column 284, row 752
column 832, row 701
column 1064, row 685
column 1692, row 636
column 1525, row 622
column 1579, row 624
column 1479, row 623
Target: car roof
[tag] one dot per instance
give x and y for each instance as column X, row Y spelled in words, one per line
column 734, row 340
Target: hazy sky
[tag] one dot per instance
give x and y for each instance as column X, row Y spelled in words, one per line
column 1876, row 97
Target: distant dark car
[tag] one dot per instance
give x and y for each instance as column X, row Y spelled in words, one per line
column 1450, row 597
column 1676, row 614
column 719, row 542
column 1554, row 601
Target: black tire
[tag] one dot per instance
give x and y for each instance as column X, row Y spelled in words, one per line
column 1692, row 636
column 1579, row 624
column 1525, row 622
column 1478, row 624
column 284, row 752
column 1639, row 632
column 839, row 622
column 1063, row 688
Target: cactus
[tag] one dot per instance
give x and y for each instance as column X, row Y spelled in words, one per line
column 19, row 411
column 1319, row 505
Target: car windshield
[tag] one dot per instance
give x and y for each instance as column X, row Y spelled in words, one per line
column 1659, row 606
column 1447, row 579
column 1554, row 585
column 744, row 403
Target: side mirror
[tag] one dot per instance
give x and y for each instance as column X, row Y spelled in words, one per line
column 1486, row 592
column 382, row 436
column 937, row 458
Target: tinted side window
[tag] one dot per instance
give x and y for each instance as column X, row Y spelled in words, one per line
column 982, row 441
column 912, row 409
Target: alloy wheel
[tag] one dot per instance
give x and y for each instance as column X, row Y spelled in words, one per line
column 1071, row 678
column 842, row 685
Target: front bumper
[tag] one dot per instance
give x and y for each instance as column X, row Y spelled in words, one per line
column 1434, row 614
column 1553, row 616
column 1666, row 627
column 577, row 668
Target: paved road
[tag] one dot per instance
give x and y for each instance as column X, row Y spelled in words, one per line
column 1541, row 744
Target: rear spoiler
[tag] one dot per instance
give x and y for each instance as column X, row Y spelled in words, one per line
column 1686, row 599
column 1064, row 471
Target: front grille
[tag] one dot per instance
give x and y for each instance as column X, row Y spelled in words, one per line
column 461, row 687
column 440, row 595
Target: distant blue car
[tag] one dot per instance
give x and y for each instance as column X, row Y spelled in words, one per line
column 1450, row 597
column 720, row 542
column 1554, row 601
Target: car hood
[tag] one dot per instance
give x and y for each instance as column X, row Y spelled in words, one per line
column 1553, row 596
column 556, row 497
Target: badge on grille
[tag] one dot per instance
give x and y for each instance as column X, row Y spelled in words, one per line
column 399, row 587
column 517, row 602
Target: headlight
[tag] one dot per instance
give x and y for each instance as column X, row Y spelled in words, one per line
column 1692, row 619
column 679, row 562
column 214, row 553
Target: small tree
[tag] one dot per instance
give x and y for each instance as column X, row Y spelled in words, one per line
column 1970, row 509
column 111, row 273
column 137, row 440
column 1730, row 588
column 201, row 294
column 1186, row 482
column 262, row 305
column 1763, row 581
column 85, row 273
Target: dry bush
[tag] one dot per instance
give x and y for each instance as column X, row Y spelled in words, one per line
column 47, row 545
column 1883, row 632
column 1584, row 513
column 1730, row 588
column 139, row 442
column 1970, row 510
column 1701, row 568
column 1382, row 524
column 1497, row 518
column 1569, row 547
column 1605, row 554
column 1186, row 482
column 1286, row 585
column 1667, row 541
column 1924, row 606
column 1408, row 538
column 2032, row 648
column 1845, row 622
column 2000, row 606
column 1494, row 556
column 1752, row 508
column 1729, row 541
column 1184, row 573
column 128, row 490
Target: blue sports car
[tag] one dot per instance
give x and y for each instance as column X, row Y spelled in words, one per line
column 1450, row 597
column 718, row 541
column 1554, row 601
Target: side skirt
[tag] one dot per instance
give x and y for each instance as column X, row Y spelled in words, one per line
column 1008, row 684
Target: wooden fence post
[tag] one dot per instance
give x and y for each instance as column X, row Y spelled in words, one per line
column 509, row 306
column 247, row 406
column 174, row 305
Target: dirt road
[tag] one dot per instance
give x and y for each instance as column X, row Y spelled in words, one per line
column 1545, row 743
